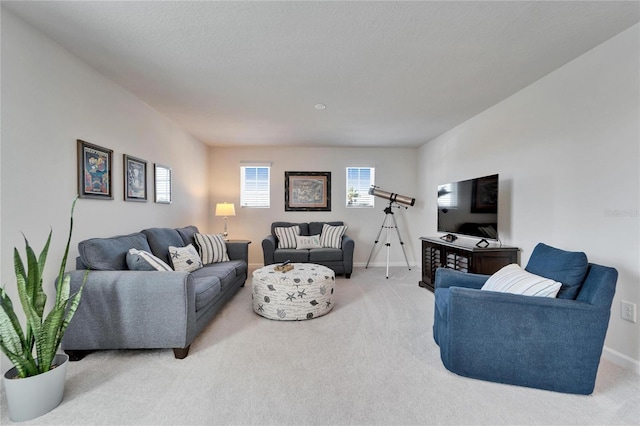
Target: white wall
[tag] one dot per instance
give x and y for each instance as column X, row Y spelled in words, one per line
column 567, row 151
column 50, row 99
column 395, row 172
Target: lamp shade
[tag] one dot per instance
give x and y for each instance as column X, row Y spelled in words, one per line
column 225, row 209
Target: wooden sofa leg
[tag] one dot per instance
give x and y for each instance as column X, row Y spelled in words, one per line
column 77, row 355
column 347, row 276
column 181, row 353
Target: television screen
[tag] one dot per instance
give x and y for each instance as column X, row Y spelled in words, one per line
column 469, row 207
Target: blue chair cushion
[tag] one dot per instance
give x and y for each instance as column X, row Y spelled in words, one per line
column 567, row 267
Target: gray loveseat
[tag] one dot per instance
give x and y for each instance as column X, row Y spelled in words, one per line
column 340, row 260
column 127, row 309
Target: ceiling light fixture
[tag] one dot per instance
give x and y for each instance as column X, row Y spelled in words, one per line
column 320, row 107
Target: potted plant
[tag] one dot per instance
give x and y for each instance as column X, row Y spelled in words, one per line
column 29, row 391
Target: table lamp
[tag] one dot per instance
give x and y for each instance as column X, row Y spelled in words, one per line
column 226, row 210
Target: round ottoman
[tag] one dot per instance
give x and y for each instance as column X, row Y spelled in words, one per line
column 305, row 292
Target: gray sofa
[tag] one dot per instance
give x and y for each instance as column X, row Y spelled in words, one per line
column 127, row 309
column 340, row 260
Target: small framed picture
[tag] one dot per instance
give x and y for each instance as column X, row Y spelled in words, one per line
column 135, row 179
column 307, row 191
column 94, row 171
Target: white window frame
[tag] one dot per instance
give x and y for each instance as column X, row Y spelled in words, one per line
column 255, row 194
column 361, row 188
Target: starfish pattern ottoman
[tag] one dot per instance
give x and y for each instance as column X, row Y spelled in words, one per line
column 305, row 292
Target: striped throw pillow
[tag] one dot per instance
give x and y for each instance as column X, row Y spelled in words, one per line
column 212, row 248
column 287, row 236
column 513, row 279
column 331, row 236
column 140, row 260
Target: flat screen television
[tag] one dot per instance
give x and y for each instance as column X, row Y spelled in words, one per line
column 469, row 207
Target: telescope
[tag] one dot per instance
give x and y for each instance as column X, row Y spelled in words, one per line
column 391, row 196
column 390, row 220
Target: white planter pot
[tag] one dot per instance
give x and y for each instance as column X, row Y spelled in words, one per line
column 34, row 396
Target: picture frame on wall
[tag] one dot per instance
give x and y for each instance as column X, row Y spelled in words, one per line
column 162, row 183
column 135, row 178
column 95, row 164
column 307, row 191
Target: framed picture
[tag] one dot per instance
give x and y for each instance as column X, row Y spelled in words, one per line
column 484, row 195
column 162, row 183
column 135, row 179
column 307, row 191
column 94, row 171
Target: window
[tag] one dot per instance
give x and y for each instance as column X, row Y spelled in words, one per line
column 254, row 186
column 359, row 179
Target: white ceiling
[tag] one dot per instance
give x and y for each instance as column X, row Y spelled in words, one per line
column 390, row 73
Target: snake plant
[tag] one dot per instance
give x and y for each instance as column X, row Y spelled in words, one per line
column 43, row 332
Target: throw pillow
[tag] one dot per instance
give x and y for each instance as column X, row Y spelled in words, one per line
column 307, row 242
column 287, row 236
column 184, row 258
column 212, row 248
column 331, row 236
column 513, row 279
column 140, row 260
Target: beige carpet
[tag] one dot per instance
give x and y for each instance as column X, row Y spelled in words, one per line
column 371, row 361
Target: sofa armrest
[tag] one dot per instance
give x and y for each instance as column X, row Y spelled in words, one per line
column 348, row 246
column 446, row 278
column 238, row 250
column 268, row 249
column 132, row 309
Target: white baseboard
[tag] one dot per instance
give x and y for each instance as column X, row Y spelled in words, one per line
column 621, row 360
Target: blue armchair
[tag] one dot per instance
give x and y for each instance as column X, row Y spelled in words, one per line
column 539, row 342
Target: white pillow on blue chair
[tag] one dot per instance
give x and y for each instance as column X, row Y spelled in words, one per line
column 513, row 279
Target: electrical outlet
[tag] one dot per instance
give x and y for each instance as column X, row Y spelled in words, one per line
column 628, row 311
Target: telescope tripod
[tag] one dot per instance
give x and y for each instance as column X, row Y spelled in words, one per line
column 389, row 219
